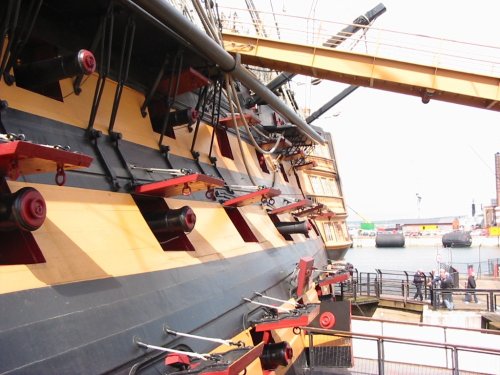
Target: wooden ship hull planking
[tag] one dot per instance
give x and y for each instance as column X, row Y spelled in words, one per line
column 131, row 208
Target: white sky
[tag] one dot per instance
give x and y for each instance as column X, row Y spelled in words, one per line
column 390, row 146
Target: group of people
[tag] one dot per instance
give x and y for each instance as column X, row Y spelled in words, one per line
column 442, row 281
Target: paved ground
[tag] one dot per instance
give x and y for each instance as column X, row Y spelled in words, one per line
column 484, row 282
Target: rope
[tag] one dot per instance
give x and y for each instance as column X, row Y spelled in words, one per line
column 209, row 22
column 238, row 136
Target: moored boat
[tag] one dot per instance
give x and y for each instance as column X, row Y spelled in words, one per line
column 390, row 239
column 457, row 238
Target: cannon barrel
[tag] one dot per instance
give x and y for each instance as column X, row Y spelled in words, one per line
column 25, row 210
column 157, row 111
column 276, row 354
column 39, row 73
column 285, row 228
column 173, row 221
column 182, row 117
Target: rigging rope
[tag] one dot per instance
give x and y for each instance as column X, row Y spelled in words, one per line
column 209, row 22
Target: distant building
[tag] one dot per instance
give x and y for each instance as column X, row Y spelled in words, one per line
column 429, row 226
column 419, row 226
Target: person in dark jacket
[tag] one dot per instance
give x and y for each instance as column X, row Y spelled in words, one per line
column 446, row 283
column 433, row 283
column 418, row 281
column 471, row 284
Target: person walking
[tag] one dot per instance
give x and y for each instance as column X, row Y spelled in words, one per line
column 471, row 284
column 446, row 283
column 432, row 283
column 418, row 281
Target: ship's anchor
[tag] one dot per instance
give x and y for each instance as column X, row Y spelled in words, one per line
column 216, row 340
column 60, row 175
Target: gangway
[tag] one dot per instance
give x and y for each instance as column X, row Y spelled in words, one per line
column 432, row 80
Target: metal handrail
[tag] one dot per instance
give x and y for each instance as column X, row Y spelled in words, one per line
column 378, row 284
column 382, row 340
column 416, row 48
column 427, row 325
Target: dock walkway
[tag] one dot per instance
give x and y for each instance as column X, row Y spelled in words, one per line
column 393, row 300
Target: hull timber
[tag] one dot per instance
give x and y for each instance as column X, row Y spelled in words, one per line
column 78, row 293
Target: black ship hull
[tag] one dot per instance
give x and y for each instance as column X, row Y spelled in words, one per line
column 88, row 327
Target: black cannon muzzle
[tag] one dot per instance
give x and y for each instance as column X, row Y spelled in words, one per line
column 276, row 354
column 172, row 221
column 43, row 72
column 285, row 228
column 24, row 210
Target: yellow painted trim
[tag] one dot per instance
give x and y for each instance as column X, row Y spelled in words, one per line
column 92, row 234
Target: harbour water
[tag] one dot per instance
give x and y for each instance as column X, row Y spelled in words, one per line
column 424, row 253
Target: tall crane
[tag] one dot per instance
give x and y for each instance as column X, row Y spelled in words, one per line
column 366, row 224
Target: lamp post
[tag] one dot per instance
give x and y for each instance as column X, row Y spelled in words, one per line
column 419, row 198
column 479, row 265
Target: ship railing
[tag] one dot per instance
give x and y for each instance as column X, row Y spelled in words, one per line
column 488, row 299
column 493, row 267
column 398, row 284
column 489, row 267
column 378, row 283
column 381, row 349
column 377, row 42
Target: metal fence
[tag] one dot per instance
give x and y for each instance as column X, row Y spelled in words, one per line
column 381, row 354
column 398, row 284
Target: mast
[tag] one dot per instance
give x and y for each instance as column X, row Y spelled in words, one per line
column 325, row 107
